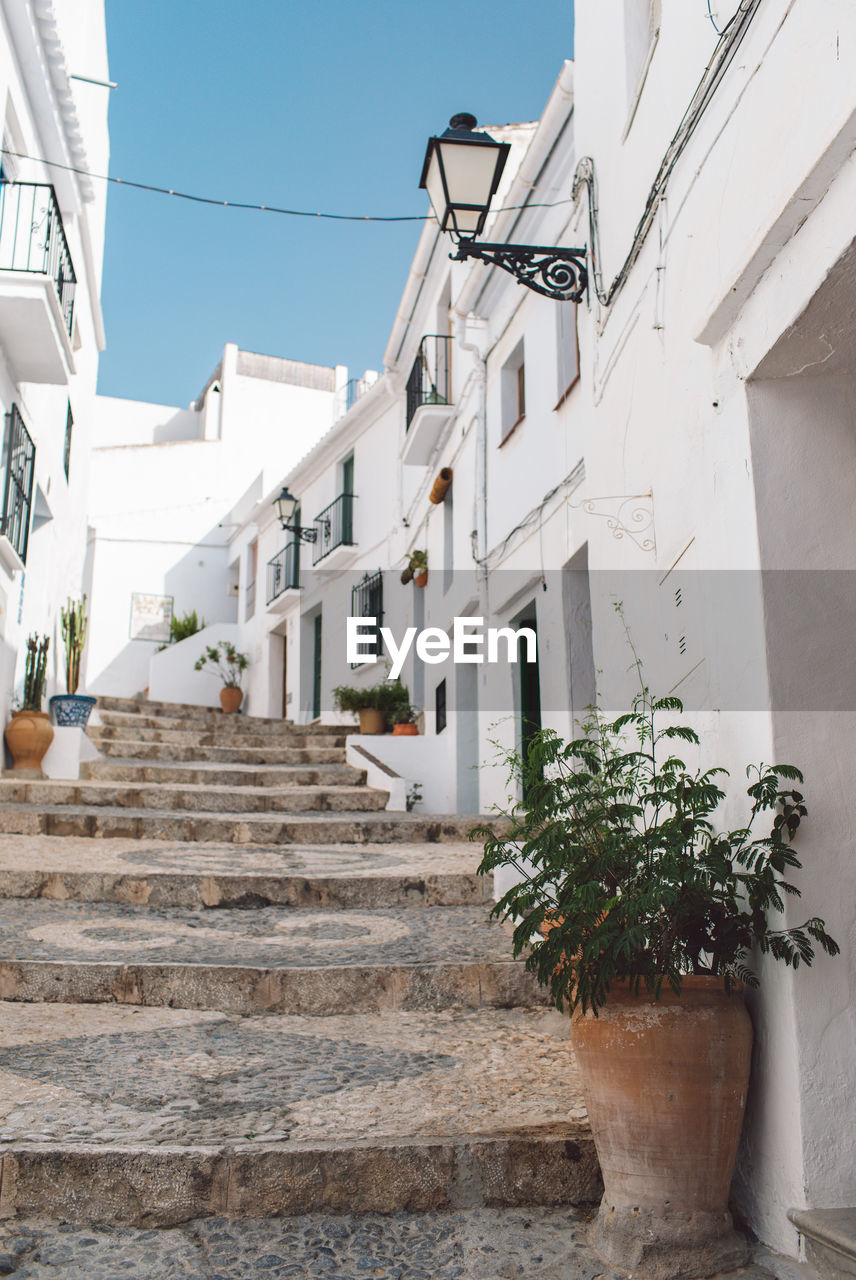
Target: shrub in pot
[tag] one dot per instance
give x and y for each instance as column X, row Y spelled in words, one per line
column 404, row 722
column 29, row 733
column 230, row 665
column 71, row 707
column 640, row 915
column 419, row 567
column 376, row 705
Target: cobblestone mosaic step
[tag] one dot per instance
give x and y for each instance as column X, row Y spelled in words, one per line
column 168, row 751
column 138, row 824
column 156, row 1116
column 334, row 877
column 210, row 773
column 211, row 737
column 193, row 797
column 262, row 959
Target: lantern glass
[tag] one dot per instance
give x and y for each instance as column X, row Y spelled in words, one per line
column 461, row 173
column 286, row 505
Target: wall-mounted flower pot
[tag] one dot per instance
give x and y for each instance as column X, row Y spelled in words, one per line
column 421, row 579
column 231, row 699
column 71, row 709
column 441, row 486
column 406, row 576
column 28, row 736
column 405, row 731
column 371, row 720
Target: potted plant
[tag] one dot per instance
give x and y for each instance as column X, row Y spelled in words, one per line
column 230, row 666
column 29, row 733
column 376, row 705
column 641, row 916
column 419, row 567
column 72, row 708
column 404, row 722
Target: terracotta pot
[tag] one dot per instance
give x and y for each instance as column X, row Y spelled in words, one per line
column 441, row 486
column 405, row 730
column 406, row 576
column 665, row 1085
column 421, row 579
column 28, row 736
column 231, row 699
column 371, row 720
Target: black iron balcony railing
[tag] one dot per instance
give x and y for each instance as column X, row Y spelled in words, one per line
column 19, row 460
column 32, row 238
column 335, row 525
column 283, row 571
column 430, row 380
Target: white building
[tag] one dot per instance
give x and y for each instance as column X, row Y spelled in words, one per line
column 51, row 243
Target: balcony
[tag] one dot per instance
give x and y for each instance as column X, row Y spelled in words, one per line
column 335, row 526
column 353, row 390
column 37, row 284
column 19, row 463
column 283, row 577
column 429, row 399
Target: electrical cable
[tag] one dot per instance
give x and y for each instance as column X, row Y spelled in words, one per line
column 258, row 208
column 726, row 47
column 712, row 19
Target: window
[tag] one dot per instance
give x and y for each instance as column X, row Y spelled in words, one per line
column 252, row 568
column 567, row 350
column 513, row 391
column 66, row 453
column 440, row 707
column 19, row 458
column 367, row 602
column 641, row 32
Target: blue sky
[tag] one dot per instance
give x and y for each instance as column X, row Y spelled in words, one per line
column 325, row 105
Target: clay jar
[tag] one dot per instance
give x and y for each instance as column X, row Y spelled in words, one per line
column 405, row 730
column 665, row 1085
column 371, row 720
column 231, row 699
column 28, row 736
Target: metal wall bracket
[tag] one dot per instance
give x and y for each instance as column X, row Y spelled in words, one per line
column 559, row 274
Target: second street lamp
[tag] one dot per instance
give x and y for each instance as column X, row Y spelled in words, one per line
column 286, row 507
column 461, row 174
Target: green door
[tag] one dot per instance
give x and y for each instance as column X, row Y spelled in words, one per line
column 530, row 696
column 348, row 501
column 316, row 669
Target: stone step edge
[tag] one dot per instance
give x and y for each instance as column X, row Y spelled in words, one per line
column 309, row 991
column 223, row 890
column 163, row 1186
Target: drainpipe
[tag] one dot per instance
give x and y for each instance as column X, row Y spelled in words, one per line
column 478, row 326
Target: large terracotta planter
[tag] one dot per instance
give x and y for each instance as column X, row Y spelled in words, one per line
column 28, row 736
column 231, row 699
column 665, row 1085
column 371, row 720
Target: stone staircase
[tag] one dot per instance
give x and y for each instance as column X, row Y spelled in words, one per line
column 232, row 985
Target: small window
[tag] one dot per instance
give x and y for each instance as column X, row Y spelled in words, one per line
column 252, row 568
column 641, row 32
column 567, row 350
column 440, row 706
column 367, row 602
column 66, row 453
column 513, row 390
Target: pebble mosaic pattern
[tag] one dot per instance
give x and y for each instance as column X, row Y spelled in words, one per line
column 267, row 937
column 90, row 1074
column 476, row 1244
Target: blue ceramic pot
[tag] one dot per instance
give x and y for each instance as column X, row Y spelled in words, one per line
column 71, row 709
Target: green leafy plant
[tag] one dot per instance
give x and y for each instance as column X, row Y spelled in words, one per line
column 73, row 621
column 624, row 875
column 182, row 627
column 35, row 672
column 229, row 663
column 418, row 562
column 389, row 697
column 405, row 714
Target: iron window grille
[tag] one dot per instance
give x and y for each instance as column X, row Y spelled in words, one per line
column 430, row 380
column 66, row 453
column 283, row 571
column 335, row 525
column 19, row 457
column 367, row 602
column 32, row 238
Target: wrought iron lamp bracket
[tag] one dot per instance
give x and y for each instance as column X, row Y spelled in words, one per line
column 301, row 532
column 559, row 274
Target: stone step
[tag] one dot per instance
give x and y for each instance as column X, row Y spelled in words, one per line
column 830, row 1240
column 260, row 960
column 189, row 710
column 152, row 824
column 193, row 798
column 210, row 773
column 210, row 737
column 221, row 725
column 335, row 877
column 155, row 1116
column 170, row 751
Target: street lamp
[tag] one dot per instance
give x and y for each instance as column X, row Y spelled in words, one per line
column 286, row 506
column 461, row 174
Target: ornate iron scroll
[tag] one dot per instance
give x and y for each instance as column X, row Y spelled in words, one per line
column 559, row 274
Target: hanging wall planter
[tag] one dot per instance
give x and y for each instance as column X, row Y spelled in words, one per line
column 419, row 567
column 441, row 486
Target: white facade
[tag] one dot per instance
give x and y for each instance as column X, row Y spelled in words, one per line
column 51, row 332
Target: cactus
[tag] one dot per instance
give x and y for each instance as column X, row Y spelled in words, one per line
column 74, row 638
column 35, row 672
